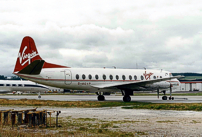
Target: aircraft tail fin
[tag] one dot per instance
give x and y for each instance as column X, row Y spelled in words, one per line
column 27, row 54
column 29, row 60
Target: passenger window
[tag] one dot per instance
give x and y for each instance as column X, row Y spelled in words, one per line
column 83, row 76
column 96, row 77
column 8, row 85
column 77, row 76
column 1, row 84
column 19, row 85
column 154, row 77
column 160, row 76
column 104, row 76
column 142, row 78
column 89, row 76
column 13, row 85
column 117, row 77
column 123, row 77
column 111, row 77
column 130, row 77
column 135, row 77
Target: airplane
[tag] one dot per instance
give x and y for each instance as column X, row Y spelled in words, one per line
column 31, row 66
column 21, row 85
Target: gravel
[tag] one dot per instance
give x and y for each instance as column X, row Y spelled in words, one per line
column 153, row 122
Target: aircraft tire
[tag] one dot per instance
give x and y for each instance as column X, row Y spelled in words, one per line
column 164, row 98
column 126, row 98
column 101, row 98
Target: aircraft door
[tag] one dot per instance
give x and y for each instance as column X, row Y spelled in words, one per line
column 68, row 77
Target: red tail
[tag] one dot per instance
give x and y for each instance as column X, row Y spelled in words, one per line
column 27, row 54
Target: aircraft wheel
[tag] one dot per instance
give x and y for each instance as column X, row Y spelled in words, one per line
column 172, row 98
column 101, row 98
column 164, row 98
column 126, row 98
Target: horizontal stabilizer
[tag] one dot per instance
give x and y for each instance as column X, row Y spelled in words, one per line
column 34, row 68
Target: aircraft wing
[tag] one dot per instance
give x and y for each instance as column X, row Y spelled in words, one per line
column 133, row 84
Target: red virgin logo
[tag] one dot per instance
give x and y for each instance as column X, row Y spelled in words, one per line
column 147, row 76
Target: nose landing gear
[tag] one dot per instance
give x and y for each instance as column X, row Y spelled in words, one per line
column 164, row 93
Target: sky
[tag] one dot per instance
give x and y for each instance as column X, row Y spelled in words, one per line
column 130, row 34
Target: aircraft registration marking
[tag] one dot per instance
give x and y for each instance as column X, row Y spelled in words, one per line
column 84, row 83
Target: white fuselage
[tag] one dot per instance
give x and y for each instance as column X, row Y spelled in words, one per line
column 21, row 85
column 88, row 78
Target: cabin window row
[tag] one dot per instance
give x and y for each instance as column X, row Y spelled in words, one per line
column 111, row 77
column 9, row 85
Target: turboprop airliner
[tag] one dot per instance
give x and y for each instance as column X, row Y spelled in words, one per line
column 31, row 66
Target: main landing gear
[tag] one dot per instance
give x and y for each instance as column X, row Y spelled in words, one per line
column 126, row 98
column 100, row 97
column 126, row 95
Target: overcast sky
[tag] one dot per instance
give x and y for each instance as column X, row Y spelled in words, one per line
column 156, row 34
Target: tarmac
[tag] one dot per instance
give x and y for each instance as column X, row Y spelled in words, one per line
column 152, row 99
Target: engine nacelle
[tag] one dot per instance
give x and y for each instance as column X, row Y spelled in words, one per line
column 160, row 85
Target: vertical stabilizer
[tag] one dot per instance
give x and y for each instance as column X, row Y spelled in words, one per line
column 27, row 54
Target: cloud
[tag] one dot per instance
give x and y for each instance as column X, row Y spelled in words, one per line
column 152, row 34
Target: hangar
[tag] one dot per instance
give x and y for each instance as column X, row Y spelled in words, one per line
column 191, row 85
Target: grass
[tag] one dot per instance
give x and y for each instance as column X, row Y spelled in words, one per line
column 94, row 104
column 74, row 127
column 69, row 104
column 173, row 106
column 166, row 121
